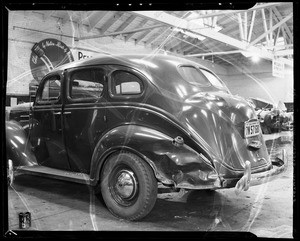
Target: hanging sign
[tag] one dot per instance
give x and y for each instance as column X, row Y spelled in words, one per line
column 47, row 55
column 277, row 68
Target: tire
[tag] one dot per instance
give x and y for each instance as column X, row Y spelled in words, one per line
column 128, row 186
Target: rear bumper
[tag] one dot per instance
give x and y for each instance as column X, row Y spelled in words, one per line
column 259, row 178
column 248, row 179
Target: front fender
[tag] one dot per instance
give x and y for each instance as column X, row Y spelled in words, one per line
column 173, row 163
column 18, row 147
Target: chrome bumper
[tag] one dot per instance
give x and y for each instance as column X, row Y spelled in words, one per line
column 249, row 179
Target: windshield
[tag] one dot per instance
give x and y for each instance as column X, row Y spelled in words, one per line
column 200, row 77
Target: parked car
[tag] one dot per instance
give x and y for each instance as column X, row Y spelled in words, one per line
column 20, row 113
column 124, row 123
column 273, row 118
column 261, row 104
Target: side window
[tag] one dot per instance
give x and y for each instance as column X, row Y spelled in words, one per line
column 51, row 89
column 125, row 83
column 87, row 84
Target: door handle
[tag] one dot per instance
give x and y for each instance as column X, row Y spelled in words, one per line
column 67, row 113
column 57, row 113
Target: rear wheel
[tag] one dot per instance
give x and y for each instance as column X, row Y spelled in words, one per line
column 128, row 186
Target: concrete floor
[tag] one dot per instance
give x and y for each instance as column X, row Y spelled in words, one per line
column 265, row 210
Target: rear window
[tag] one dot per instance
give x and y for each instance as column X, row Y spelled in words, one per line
column 199, row 76
column 125, row 83
column 193, row 75
column 212, row 78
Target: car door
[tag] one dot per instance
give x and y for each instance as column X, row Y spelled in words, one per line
column 46, row 133
column 84, row 115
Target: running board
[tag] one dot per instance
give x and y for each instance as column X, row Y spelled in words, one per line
column 64, row 175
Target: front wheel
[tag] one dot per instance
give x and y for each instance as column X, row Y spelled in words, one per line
column 128, row 186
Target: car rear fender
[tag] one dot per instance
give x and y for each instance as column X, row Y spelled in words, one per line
column 172, row 161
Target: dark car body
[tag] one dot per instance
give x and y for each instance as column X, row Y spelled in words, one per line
column 178, row 117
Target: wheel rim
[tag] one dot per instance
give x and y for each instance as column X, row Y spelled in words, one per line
column 123, row 186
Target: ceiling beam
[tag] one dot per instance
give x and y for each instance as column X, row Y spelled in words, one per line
column 108, row 23
column 271, row 24
column 206, row 32
column 125, row 23
column 174, row 40
column 241, row 28
column 284, row 52
column 265, row 25
column 245, row 25
column 157, row 37
column 180, row 40
column 251, row 26
column 95, row 18
column 286, row 28
column 144, row 35
column 277, row 36
column 214, row 53
column 121, row 32
column 271, row 30
column 142, row 23
column 256, row 7
column 150, row 34
column 188, row 45
column 192, row 44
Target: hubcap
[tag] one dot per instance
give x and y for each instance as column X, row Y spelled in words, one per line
column 126, row 185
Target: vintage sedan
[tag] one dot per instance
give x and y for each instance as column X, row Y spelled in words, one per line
column 124, row 123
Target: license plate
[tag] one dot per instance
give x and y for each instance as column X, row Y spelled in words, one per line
column 251, row 128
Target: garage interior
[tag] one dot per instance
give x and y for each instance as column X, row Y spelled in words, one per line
column 251, row 50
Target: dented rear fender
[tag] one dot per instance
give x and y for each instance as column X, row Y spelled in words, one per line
column 173, row 162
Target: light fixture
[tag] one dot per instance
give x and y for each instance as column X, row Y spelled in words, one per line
column 255, row 58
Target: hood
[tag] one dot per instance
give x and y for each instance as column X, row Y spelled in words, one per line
column 216, row 120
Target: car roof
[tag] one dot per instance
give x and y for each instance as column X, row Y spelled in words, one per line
column 161, row 70
column 142, row 61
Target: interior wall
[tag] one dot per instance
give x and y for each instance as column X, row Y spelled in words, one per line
column 255, row 80
column 25, row 29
